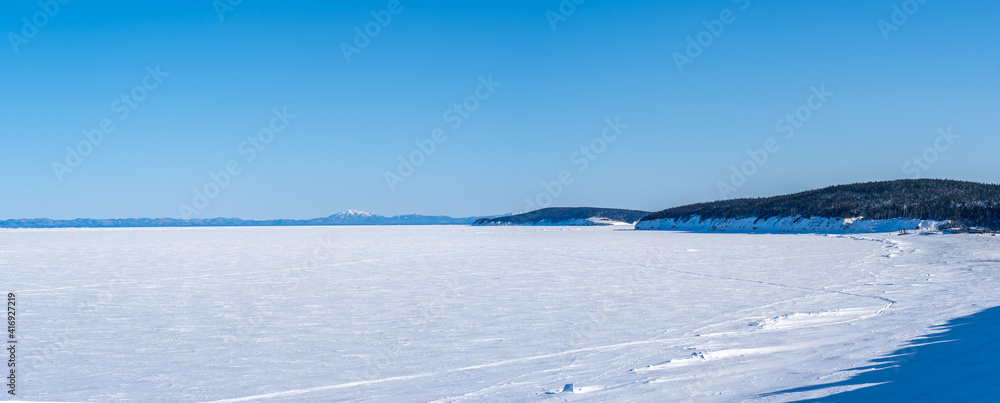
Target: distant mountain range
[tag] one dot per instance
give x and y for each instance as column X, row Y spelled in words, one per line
column 578, row 216
column 349, row 217
column 861, row 207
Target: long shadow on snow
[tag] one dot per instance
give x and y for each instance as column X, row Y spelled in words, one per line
column 961, row 362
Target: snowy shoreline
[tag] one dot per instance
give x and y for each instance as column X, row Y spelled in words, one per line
column 789, row 225
column 577, row 222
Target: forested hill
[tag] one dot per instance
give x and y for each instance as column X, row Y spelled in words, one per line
column 967, row 203
column 567, row 216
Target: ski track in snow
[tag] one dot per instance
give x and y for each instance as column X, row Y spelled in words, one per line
column 470, row 314
column 431, row 374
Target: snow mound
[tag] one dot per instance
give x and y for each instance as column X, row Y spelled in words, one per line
column 705, row 356
column 814, row 319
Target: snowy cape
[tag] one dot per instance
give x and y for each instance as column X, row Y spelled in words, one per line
column 573, row 222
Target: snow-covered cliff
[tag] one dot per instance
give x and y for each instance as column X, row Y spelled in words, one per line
column 782, row 225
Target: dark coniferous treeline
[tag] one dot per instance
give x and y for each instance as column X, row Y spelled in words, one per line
column 561, row 214
column 966, row 203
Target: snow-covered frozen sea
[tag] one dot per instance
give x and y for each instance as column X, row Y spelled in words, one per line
column 470, row 314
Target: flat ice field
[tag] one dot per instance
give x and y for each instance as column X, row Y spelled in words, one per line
column 471, row 314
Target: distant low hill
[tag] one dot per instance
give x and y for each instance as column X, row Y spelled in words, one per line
column 349, row 217
column 905, row 201
column 568, row 216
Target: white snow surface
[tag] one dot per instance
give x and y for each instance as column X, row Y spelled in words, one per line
column 472, row 314
column 795, row 225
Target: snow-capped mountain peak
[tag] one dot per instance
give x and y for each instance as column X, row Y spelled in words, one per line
column 354, row 213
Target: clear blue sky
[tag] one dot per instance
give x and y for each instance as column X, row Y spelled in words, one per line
column 939, row 69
